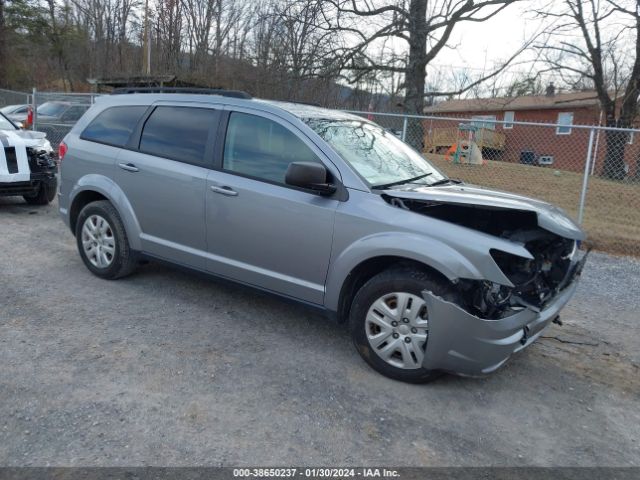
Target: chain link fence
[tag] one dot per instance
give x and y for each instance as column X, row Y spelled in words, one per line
column 56, row 113
column 10, row 98
column 591, row 172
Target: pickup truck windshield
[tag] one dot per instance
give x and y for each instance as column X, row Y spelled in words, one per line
column 51, row 109
column 377, row 155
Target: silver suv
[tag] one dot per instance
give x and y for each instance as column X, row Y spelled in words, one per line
column 325, row 208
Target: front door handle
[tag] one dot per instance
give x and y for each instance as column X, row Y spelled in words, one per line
column 129, row 167
column 224, row 191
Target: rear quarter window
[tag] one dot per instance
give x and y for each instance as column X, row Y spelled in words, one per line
column 178, row 133
column 114, row 125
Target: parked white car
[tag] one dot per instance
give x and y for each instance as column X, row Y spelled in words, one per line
column 20, row 110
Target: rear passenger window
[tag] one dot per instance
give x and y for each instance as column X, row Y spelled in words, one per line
column 259, row 147
column 179, row 133
column 114, row 125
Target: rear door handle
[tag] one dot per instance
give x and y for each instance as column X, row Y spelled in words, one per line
column 224, row 191
column 129, row 167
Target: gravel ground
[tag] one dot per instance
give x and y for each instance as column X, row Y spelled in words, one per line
column 168, row 368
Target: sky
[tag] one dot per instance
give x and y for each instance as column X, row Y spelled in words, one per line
column 479, row 46
column 497, row 38
column 475, row 48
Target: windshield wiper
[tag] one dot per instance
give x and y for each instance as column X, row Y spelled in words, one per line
column 444, row 181
column 384, row 186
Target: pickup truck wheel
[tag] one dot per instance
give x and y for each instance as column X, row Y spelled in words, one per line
column 102, row 241
column 389, row 322
column 45, row 195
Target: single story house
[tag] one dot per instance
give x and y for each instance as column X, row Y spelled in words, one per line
column 560, row 146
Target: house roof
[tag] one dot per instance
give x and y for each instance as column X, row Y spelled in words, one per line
column 527, row 102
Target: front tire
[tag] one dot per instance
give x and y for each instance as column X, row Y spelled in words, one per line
column 45, row 195
column 389, row 322
column 102, row 241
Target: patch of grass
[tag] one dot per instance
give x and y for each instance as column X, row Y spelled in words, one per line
column 612, row 209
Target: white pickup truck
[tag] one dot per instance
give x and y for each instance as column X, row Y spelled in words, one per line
column 27, row 164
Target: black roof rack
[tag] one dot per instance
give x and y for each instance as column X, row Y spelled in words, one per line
column 311, row 104
column 201, row 91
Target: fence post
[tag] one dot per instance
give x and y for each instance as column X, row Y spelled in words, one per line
column 404, row 128
column 585, row 179
column 34, row 108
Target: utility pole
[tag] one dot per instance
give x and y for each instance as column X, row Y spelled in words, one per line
column 146, row 42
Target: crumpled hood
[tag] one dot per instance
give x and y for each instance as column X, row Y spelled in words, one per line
column 550, row 217
column 29, row 137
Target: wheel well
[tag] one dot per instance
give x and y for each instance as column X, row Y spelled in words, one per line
column 366, row 270
column 81, row 200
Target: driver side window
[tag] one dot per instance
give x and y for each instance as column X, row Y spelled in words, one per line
column 261, row 148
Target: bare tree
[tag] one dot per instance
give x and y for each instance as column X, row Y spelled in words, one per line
column 599, row 40
column 305, row 46
column 424, row 26
column 524, row 85
column 199, row 15
column 286, row 49
column 58, row 36
column 125, row 12
column 169, row 35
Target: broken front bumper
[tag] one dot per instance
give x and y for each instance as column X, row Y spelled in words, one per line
column 29, row 187
column 462, row 343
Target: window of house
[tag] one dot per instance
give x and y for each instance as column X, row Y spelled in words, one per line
column 114, row 125
column 509, row 117
column 565, row 120
column 480, row 121
column 258, row 147
column 178, row 133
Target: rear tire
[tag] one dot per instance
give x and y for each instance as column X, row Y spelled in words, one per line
column 45, row 195
column 102, row 241
column 388, row 322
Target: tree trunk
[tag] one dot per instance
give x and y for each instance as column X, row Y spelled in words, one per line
column 416, row 71
column 3, row 49
column 614, row 164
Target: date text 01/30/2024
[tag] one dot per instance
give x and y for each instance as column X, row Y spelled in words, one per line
column 315, row 472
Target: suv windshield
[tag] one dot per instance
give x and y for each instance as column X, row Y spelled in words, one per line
column 52, row 109
column 377, row 155
column 6, row 124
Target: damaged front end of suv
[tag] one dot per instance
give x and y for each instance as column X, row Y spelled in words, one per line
column 491, row 319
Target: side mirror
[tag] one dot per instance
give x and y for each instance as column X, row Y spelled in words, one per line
column 309, row 175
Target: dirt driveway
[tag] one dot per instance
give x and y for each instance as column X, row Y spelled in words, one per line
column 167, row 368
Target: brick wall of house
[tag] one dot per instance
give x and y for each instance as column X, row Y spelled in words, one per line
column 569, row 150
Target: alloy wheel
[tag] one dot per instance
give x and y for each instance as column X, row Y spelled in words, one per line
column 98, row 241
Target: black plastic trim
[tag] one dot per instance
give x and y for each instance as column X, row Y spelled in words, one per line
column 201, row 91
column 330, row 314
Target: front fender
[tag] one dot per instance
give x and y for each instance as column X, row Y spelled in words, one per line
column 420, row 248
column 109, row 189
